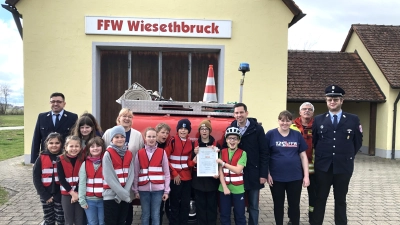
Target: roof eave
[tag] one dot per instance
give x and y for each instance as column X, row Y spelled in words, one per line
column 346, row 42
column 298, row 14
column 12, row 2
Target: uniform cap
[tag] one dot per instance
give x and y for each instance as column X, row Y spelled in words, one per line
column 334, row 91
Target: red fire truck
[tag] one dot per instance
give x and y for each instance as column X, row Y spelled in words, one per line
column 149, row 113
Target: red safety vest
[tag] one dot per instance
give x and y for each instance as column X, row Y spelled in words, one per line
column 121, row 166
column 71, row 174
column 94, row 180
column 151, row 171
column 180, row 154
column 231, row 177
column 49, row 169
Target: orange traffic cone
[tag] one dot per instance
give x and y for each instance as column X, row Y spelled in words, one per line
column 210, row 93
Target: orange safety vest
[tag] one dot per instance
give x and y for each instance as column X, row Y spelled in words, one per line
column 94, row 180
column 49, row 169
column 71, row 174
column 121, row 166
column 151, row 170
column 231, row 177
column 180, row 154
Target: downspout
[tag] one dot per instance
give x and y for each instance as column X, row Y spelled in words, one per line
column 394, row 126
column 13, row 10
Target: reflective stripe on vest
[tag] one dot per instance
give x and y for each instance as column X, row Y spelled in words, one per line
column 180, row 153
column 151, row 170
column 94, row 181
column 71, row 174
column 231, row 177
column 121, row 166
column 48, row 169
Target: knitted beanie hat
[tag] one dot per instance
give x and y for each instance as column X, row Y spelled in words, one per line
column 117, row 130
column 205, row 123
column 184, row 123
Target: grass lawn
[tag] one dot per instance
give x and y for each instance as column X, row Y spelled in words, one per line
column 11, row 120
column 3, row 196
column 11, row 143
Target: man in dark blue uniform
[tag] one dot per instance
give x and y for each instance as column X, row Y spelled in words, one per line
column 57, row 120
column 337, row 137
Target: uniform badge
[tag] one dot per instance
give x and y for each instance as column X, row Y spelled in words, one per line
column 348, row 131
column 360, row 127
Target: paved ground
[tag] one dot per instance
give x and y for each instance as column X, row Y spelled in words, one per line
column 374, row 195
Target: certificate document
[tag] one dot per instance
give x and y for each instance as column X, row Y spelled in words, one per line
column 207, row 165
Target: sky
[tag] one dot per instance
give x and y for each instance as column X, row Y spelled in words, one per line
column 328, row 22
column 11, row 68
column 324, row 28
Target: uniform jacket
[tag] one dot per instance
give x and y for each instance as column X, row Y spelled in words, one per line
column 306, row 132
column 44, row 126
column 337, row 147
column 253, row 142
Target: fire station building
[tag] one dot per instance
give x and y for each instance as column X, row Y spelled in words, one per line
column 93, row 51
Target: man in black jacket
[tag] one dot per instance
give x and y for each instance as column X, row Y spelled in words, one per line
column 57, row 120
column 254, row 144
column 337, row 137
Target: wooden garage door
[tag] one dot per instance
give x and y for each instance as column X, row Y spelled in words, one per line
column 175, row 68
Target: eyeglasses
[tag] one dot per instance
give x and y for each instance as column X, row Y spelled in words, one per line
column 56, row 101
column 204, row 129
column 307, row 109
column 333, row 99
column 232, row 139
column 129, row 117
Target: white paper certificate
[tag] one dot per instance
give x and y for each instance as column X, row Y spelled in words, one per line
column 207, row 165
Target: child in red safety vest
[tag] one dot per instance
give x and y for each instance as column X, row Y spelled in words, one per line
column 91, row 182
column 179, row 152
column 232, row 161
column 45, row 179
column 118, row 177
column 68, row 167
column 152, row 179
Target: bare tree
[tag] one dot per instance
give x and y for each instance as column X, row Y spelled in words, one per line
column 5, row 91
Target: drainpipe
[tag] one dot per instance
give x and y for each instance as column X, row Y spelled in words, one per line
column 13, row 10
column 394, row 126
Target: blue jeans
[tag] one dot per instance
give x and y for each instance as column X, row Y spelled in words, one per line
column 151, row 201
column 95, row 212
column 225, row 202
column 253, row 208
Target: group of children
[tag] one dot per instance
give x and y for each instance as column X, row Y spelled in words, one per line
column 88, row 178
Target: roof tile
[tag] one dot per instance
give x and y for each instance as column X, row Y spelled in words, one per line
column 382, row 42
column 310, row 72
